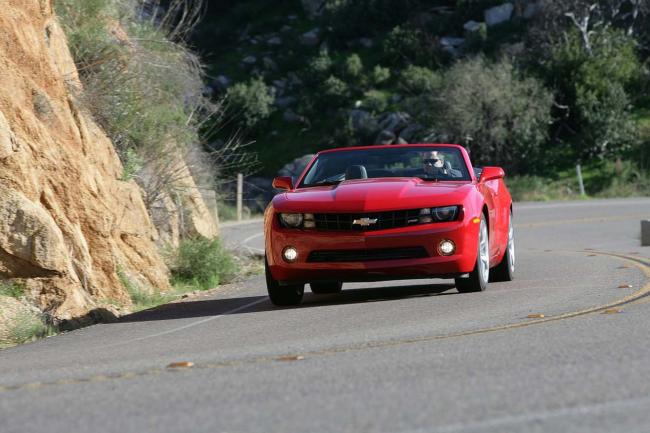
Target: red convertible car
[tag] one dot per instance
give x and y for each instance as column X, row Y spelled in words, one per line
column 384, row 213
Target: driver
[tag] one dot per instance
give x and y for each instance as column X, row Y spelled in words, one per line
column 434, row 165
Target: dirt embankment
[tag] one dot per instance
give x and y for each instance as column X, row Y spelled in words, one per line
column 68, row 225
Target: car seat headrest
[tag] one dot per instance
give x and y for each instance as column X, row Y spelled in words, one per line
column 356, row 172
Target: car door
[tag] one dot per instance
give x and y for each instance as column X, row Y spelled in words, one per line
column 491, row 190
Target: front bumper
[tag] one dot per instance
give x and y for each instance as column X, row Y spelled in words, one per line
column 463, row 233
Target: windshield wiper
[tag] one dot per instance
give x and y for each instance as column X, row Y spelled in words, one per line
column 432, row 179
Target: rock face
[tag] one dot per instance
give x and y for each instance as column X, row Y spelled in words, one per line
column 498, row 14
column 67, row 223
column 310, row 38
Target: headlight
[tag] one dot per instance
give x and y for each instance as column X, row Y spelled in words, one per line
column 293, row 220
column 447, row 213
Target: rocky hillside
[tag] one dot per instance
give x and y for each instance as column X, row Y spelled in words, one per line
column 70, row 230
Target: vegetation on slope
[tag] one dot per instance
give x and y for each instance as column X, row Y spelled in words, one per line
column 537, row 92
column 145, row 87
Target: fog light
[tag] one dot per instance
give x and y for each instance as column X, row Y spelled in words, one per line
column 446, row 247
column 290, row 254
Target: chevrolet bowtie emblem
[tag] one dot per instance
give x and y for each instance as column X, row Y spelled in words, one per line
column 365, row 222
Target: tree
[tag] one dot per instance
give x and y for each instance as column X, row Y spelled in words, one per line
column 592, row 84
column 501, row 117
column 253, row 101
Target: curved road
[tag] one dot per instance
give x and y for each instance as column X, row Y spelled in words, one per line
column 410, row 356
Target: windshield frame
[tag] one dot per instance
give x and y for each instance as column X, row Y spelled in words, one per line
column 422, row 147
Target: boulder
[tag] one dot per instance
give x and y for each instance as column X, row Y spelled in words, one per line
column 498, row 14
column 295, row 167
column 532, row 9
column 385, row 137
column 449, row 41
column 366, row 42
column 310, row 38
column 395, row 122
column 442, row 10
column 249, row 60
column 290, row 116
column 280, row 85
column 294, row 80
column 285, row 101
column 363, row 122
column 472, row 26
column 410, row 132
column 30, row 239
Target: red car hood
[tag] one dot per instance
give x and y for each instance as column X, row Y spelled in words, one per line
column 374, row 195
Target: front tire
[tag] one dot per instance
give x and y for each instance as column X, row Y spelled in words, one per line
column 505, row 271
column 282, row 295
column 480, row 275
column 326, row 288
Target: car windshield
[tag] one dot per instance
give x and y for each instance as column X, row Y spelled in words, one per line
column 435, row 163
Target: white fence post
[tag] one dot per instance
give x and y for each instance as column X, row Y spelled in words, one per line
column 240, row 196
column 580, row 183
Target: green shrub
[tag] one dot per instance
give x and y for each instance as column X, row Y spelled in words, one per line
column 416, row 80
column 319, row 67
column 536, row 188
column 142, row 298
column 202, row 262
column 141, row 83
column 596, row 84
column 354, row 18
column 227, row 212
column 403, row 44
column 335, row 91
column 500, row 116
column 380, row 75
column 353, row 65
column 132, row 163
column 253, row 101
column 375, row 101
column 29, row 326
column 11, row 289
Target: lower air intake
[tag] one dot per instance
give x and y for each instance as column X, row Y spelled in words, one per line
column 335, row 256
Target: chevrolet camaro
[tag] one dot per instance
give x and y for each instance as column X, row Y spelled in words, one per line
column 385, row 213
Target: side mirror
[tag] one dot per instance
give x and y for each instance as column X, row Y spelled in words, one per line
column 283, row 182
column 491, row 173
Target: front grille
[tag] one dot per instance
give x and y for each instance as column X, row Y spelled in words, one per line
column 385, row 220
column 334, row 256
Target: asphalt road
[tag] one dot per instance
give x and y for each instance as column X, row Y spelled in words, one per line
column 410, row 356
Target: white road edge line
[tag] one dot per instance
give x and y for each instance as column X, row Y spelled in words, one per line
column 250, row 238
column 190, row 325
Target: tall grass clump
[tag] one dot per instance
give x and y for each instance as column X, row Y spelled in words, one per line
column 203, row 263
column 29, row 326
column 142, row 299
column 11, row 289
column 141, row 83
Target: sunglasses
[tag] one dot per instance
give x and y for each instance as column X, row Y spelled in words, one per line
column 431, row 161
